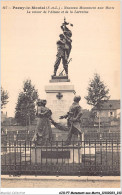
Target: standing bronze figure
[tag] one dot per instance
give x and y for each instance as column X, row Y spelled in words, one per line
column 43, row 132
column 64, row 46
column 73, row 117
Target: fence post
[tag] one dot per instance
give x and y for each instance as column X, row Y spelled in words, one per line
column 20, row 158
column 84, row 156
column 15, row 157
column 35, row 158
column 25, row 155
column 57, row 172
column 112, row 155
column 95, row 154
column 106, row 153
column 9, row 157
column 101, row 174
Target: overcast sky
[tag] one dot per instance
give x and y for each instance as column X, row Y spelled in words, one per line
column 28, row 43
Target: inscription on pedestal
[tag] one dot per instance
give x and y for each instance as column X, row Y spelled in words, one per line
column 67, row 155
column 55, row 154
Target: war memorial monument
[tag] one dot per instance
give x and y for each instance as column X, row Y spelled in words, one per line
column 60, row 120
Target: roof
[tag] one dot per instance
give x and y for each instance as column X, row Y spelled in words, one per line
column 110, row 105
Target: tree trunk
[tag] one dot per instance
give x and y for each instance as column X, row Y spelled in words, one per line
column 99, row 127
column 99, row 121
column 29, row 120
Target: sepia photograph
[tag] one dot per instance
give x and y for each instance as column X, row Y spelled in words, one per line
column 60, row 97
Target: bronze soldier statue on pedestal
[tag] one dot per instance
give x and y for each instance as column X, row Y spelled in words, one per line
column 63, row 48
column 61, row 54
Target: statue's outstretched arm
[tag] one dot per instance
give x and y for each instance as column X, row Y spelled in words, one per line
column 65, row 116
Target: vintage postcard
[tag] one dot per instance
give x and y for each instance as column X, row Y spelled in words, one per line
column 60, row 97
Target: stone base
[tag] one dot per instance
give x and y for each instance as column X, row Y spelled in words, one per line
column 56, row 79
column 59, row 97
column 65, row 154
column 58, row 153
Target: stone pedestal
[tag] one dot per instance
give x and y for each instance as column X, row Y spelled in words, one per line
column 59, row 94
column 56, row 155
column 55, row 79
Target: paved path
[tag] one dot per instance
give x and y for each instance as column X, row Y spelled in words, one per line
column 60, row 182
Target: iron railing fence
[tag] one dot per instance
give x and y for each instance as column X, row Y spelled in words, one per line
column 102, row 135
column 90, row 157
column 27, row 136
column 17, row 135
